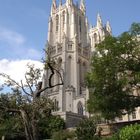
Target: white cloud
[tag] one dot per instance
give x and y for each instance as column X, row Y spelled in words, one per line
column 17, row 68
column 11, row 37
column 18, row 44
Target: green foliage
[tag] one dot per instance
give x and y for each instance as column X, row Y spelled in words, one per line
column 114, row 137
column 11, row 123
column 131, row 132
column 135, row 29
column 47, row 126
column 86, row 130
column 63, row 135
column 11, row 127
column 115, row 72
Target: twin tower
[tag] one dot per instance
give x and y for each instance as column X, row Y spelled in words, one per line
column 71, row 42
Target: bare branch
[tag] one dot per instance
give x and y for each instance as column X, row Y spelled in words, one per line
column 49, row 63
column 45, row 88
column 29, row 85
column 9, row 109
column 13, row 82
column 60, row 75
column 22, row 86
column 52, row 73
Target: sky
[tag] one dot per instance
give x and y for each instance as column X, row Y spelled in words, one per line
column 24, row 24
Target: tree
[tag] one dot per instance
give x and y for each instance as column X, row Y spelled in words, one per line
column 10, row 123
column 115, row 75
column 86, row 130
column 28, row 101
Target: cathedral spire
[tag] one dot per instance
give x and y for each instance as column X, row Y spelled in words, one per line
column 99, row 21
column 82, row 6
column 60, row 2
column 54, row 6
column 108, row 28
column 69, row 2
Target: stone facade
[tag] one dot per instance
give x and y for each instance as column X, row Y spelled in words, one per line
column 71, row 42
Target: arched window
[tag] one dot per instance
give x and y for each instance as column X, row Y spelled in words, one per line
column 58, row 73
column 59, row 62
column 57, row 23
column 80, row 108
column 80, row 71
column 69, row 69
column 80, row 76
column 63, row 15
column 56, row 105
column 84, row 71
column 80, row 24
column 53, row 77
column 95, row 37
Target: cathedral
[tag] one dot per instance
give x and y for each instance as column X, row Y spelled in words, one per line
column 72, row 42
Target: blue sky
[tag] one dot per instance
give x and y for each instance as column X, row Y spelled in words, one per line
column 24, row 23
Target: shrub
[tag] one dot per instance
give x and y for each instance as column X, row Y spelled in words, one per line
column 63, row 135
column 50, row 125
column 86, row 130
column 114, row 137
column 131, row 132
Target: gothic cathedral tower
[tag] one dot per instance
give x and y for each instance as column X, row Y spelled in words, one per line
column 69, row 41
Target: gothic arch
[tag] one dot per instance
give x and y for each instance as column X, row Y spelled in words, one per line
column 80, row 71
column 64, row 18
column 69, row 57
column 49, row 73
column 84, row 63
column 80, row 24
column 57, row 73
column 57, row 23
column 84, row 70
column 95, row 37
column 79, row 60
column 80, row 109
column 55, row 104
column 69, row 60
column 59, row 61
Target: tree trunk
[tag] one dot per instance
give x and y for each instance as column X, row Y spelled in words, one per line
column 3, row 138
column 34, row 116
column 35, row 130
column 34, row 122
column 27, row 126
